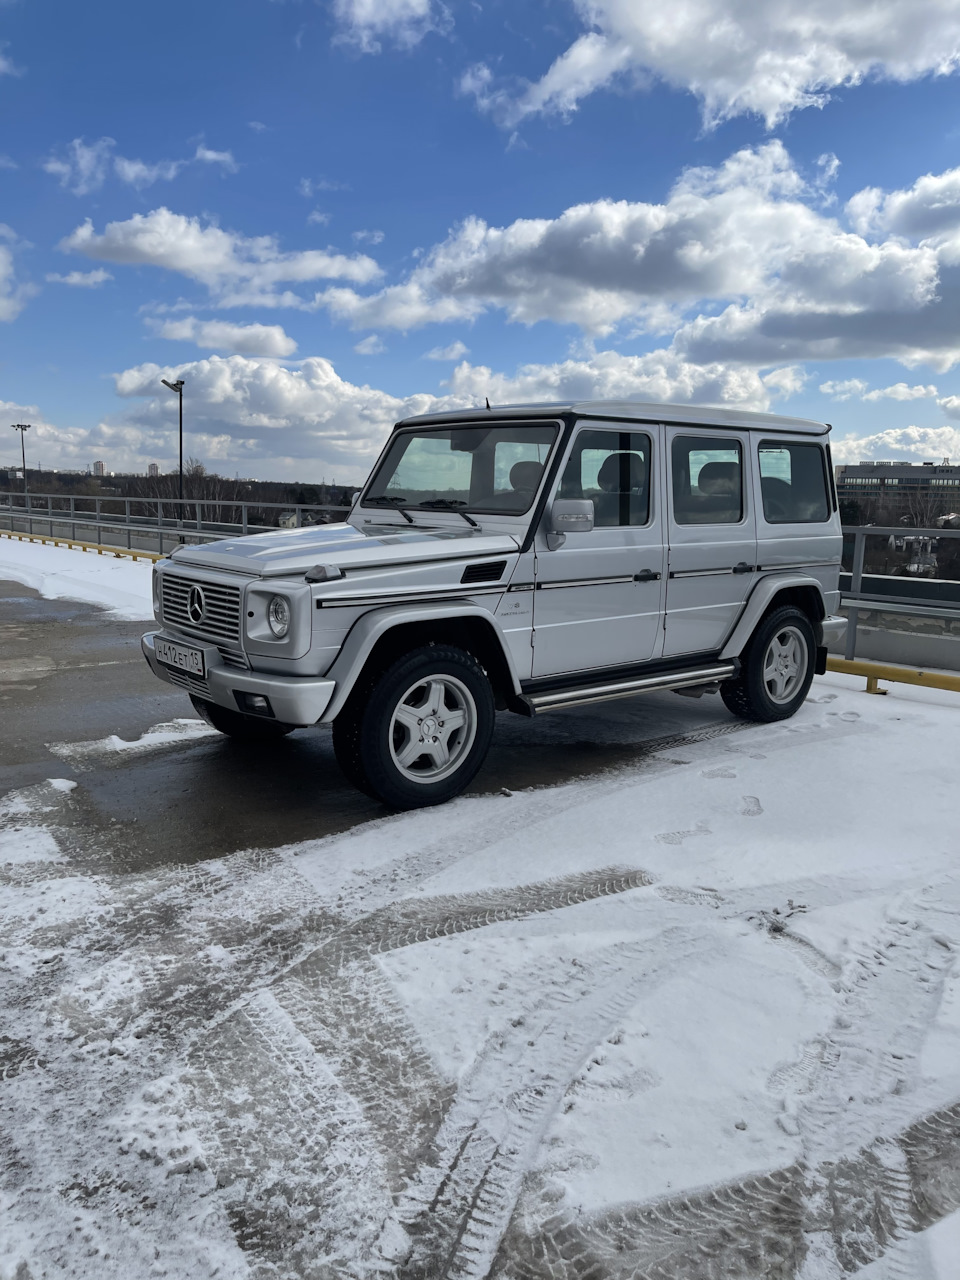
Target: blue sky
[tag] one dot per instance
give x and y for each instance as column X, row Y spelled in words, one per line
column 327, row 215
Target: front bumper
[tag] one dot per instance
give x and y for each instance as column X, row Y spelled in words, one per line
column 834, row 629
column 296, row 700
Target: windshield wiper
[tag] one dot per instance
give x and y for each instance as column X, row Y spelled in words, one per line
column 392, row 502
column 450, row 504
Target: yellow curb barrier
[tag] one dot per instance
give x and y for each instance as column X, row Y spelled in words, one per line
column 874, row 671
column 119, row 553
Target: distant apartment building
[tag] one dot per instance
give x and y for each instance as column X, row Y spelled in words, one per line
column 153, row 470
column 879, row 492
column 99, row 469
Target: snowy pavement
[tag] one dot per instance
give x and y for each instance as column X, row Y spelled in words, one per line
column 697, row 1016
column 116, row 582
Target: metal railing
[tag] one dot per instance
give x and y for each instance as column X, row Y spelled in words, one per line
column 920, row 595
column 153, row 523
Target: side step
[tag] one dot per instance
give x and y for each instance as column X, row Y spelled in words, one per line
column 552, row 701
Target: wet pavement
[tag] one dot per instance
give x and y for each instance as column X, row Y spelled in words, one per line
column 71, row 674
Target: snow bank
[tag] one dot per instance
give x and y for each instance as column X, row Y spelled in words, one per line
column 64, row 573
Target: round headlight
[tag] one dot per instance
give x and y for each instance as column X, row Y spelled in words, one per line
column 278, row 616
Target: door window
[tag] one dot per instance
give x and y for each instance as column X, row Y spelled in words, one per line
column 707, row 481
column 613, row 469
column 793, row 483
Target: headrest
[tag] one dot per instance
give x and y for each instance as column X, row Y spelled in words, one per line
column 525, row 475
column 719, row 478
column 622, row 472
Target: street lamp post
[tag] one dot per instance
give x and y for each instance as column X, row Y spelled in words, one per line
column 23, row 428
column 178, row 388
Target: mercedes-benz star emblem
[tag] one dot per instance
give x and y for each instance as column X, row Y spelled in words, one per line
column 196, row 605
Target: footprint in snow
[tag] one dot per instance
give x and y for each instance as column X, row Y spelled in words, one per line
column 849, row 715
column 718, row 773
column 750, row 806
column 827, row 697
column 678, row 837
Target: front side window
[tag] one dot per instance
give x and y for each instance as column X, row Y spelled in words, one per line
column 613, row 469
column 483, row 469
column 793, row 483
column 707, row 480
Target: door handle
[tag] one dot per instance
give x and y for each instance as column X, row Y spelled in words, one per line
column 646, row 575
column 743, row 567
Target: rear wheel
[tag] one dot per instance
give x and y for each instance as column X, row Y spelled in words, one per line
column 776, row 668
column 421, row 732
column 237, row 725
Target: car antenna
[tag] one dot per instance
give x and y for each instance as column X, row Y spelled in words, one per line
column 487, row 398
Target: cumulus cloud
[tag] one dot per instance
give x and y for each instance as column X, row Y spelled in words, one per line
column 317, row 218
column 83, row 168
column 908, row 443
column 369, row 237
column 455, row 351
column 237, row 270
column 220, row 335
column 744, row 249
column 364, row 23
column 738, row 57
column 7, row 66
column 857, row 387
column 844, row 390
column 81, row 279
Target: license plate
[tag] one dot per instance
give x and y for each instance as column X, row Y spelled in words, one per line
column 180, row 656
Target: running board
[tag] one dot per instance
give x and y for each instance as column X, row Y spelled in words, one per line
column 540, row 702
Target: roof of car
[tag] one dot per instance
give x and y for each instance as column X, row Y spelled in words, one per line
column 628, row 411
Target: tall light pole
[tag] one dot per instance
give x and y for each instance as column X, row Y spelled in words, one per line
column 23, row 428
column 178, row 388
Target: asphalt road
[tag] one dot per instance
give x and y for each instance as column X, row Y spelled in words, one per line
column 71, row 674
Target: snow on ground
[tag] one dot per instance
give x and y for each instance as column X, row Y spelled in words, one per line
column 694, row 1018
column 182, row 731
column 68, row 573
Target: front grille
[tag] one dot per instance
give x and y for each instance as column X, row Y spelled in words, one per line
column 192, row 684
column 233, row 658
column 221, row 615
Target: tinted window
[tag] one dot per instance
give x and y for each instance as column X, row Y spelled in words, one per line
column 613, row 469
column 793, row 483
column 707, row 481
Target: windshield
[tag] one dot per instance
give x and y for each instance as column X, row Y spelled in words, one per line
column 480, row 469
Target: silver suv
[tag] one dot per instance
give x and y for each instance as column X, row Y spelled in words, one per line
column 520, row 559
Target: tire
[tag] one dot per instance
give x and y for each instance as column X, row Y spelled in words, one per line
column 438, row 699
column 776, row 668
column 236, row 725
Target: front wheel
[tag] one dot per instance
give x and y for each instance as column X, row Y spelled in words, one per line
column 237, row 725
column 423, row 732
column 776, row 668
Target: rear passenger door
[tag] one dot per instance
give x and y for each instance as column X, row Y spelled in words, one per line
column 599, row 597
column 712, row 531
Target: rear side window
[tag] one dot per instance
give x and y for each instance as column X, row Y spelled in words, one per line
column 793, row 483
column 707, row 480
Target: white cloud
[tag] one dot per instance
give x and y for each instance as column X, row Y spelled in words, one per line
column 456, row 351
column 220, row 335
column 238, row 270
column 901, row 391
column 908, row 443
column 7, row 66
column 318, row 218
column 257, row 126
column 7, row 162
column 81, row 168
column 81, row 279
column 371, row 346
column 369, row 237
column 737, row 56
column 364, row 23
column 13, row 292
column 950, row 405
column 136, row 173
column 845, row 390
column 310, row 186
column 223, row 158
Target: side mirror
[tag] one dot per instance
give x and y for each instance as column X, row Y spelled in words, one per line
column 568, row 515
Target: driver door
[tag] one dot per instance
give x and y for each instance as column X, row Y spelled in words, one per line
column 599, row 597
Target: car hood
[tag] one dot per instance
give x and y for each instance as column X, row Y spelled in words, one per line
column 291, row 552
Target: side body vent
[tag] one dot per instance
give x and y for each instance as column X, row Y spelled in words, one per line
column 485, row 571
